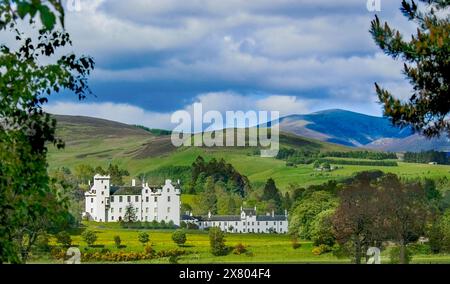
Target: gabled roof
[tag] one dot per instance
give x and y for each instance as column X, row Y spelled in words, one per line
column 126, row 190
column 249, row 211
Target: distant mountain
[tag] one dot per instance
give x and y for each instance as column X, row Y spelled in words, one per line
column 413, row 143
column 358, row 130
column 342, row 127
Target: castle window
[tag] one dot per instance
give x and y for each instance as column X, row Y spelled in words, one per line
column 267, row 223
column 146, row 219
column 92, row 210
column 92, row 200
column 112, row 209
column 253, row 223
column 258, row 223
column 236, row 223
column 136, row 199
column 156, row 199
column 168, row 189
column 120, row 198
column 146, row 210
column 103, row 193
column 105, row 187
column 102, row 181
column 128, row 198
column 146, row 199
column 112, row 217
column 146, row 191
column 168, row 198
column 156, row 210
column 168, row 209
column 112, row 199
column 120, row 210
column 274, row 223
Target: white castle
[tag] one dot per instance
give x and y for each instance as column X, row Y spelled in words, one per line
column 107, row 203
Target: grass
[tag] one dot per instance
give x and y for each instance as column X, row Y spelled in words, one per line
column 264, row 248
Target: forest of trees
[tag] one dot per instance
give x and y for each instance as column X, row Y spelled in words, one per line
column 295, row 157
column 426, row 157
column 368, row 210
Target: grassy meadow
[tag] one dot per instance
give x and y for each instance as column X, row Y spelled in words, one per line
column 263, row 248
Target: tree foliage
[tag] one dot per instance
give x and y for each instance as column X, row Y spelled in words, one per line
column 26, row 82
column 426, row 59
column 179, row 237
column 217, row 241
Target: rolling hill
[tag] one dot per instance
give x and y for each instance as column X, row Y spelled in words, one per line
column 100, row 142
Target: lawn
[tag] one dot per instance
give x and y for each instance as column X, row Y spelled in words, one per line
column 264, row 248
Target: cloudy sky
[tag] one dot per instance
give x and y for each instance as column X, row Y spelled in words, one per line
column 154, row 57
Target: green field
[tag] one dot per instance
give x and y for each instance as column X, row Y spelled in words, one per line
column 98, row 143
column 264, row 248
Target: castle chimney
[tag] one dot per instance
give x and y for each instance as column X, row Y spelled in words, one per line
column 133, row 182
column 285, row 212
column 273, row 213
column 209, row 214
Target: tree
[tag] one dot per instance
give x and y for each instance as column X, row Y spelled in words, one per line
column 117, row 241
column 406, row 207
column 179, row 237
column 31, row 72
column 64, row 239
column 84, row 173
column 89, row 237
column 143, row 238
column 307, row 209
column 130, row 214
column 217, row 241
column 322, row 229
column 316, row 164
column 271, row 192
column 117, row 174
column 356, row 219
column 427, row 67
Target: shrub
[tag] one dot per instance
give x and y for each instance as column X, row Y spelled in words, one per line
column 90, row 237
column 58, row 253
column 117, row 241
column 149, row 250
column 394, row 255
column 217, row 241
column 42, row 243
column 321, row 249
column 179, row 237
column 144, row 238
column 239, row 249
column 295, row 244
column 64, row 239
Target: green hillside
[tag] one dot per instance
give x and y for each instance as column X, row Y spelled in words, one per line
column 99, row 142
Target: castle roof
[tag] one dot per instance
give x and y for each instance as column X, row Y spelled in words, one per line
column 249, row 211
column 126, row 190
